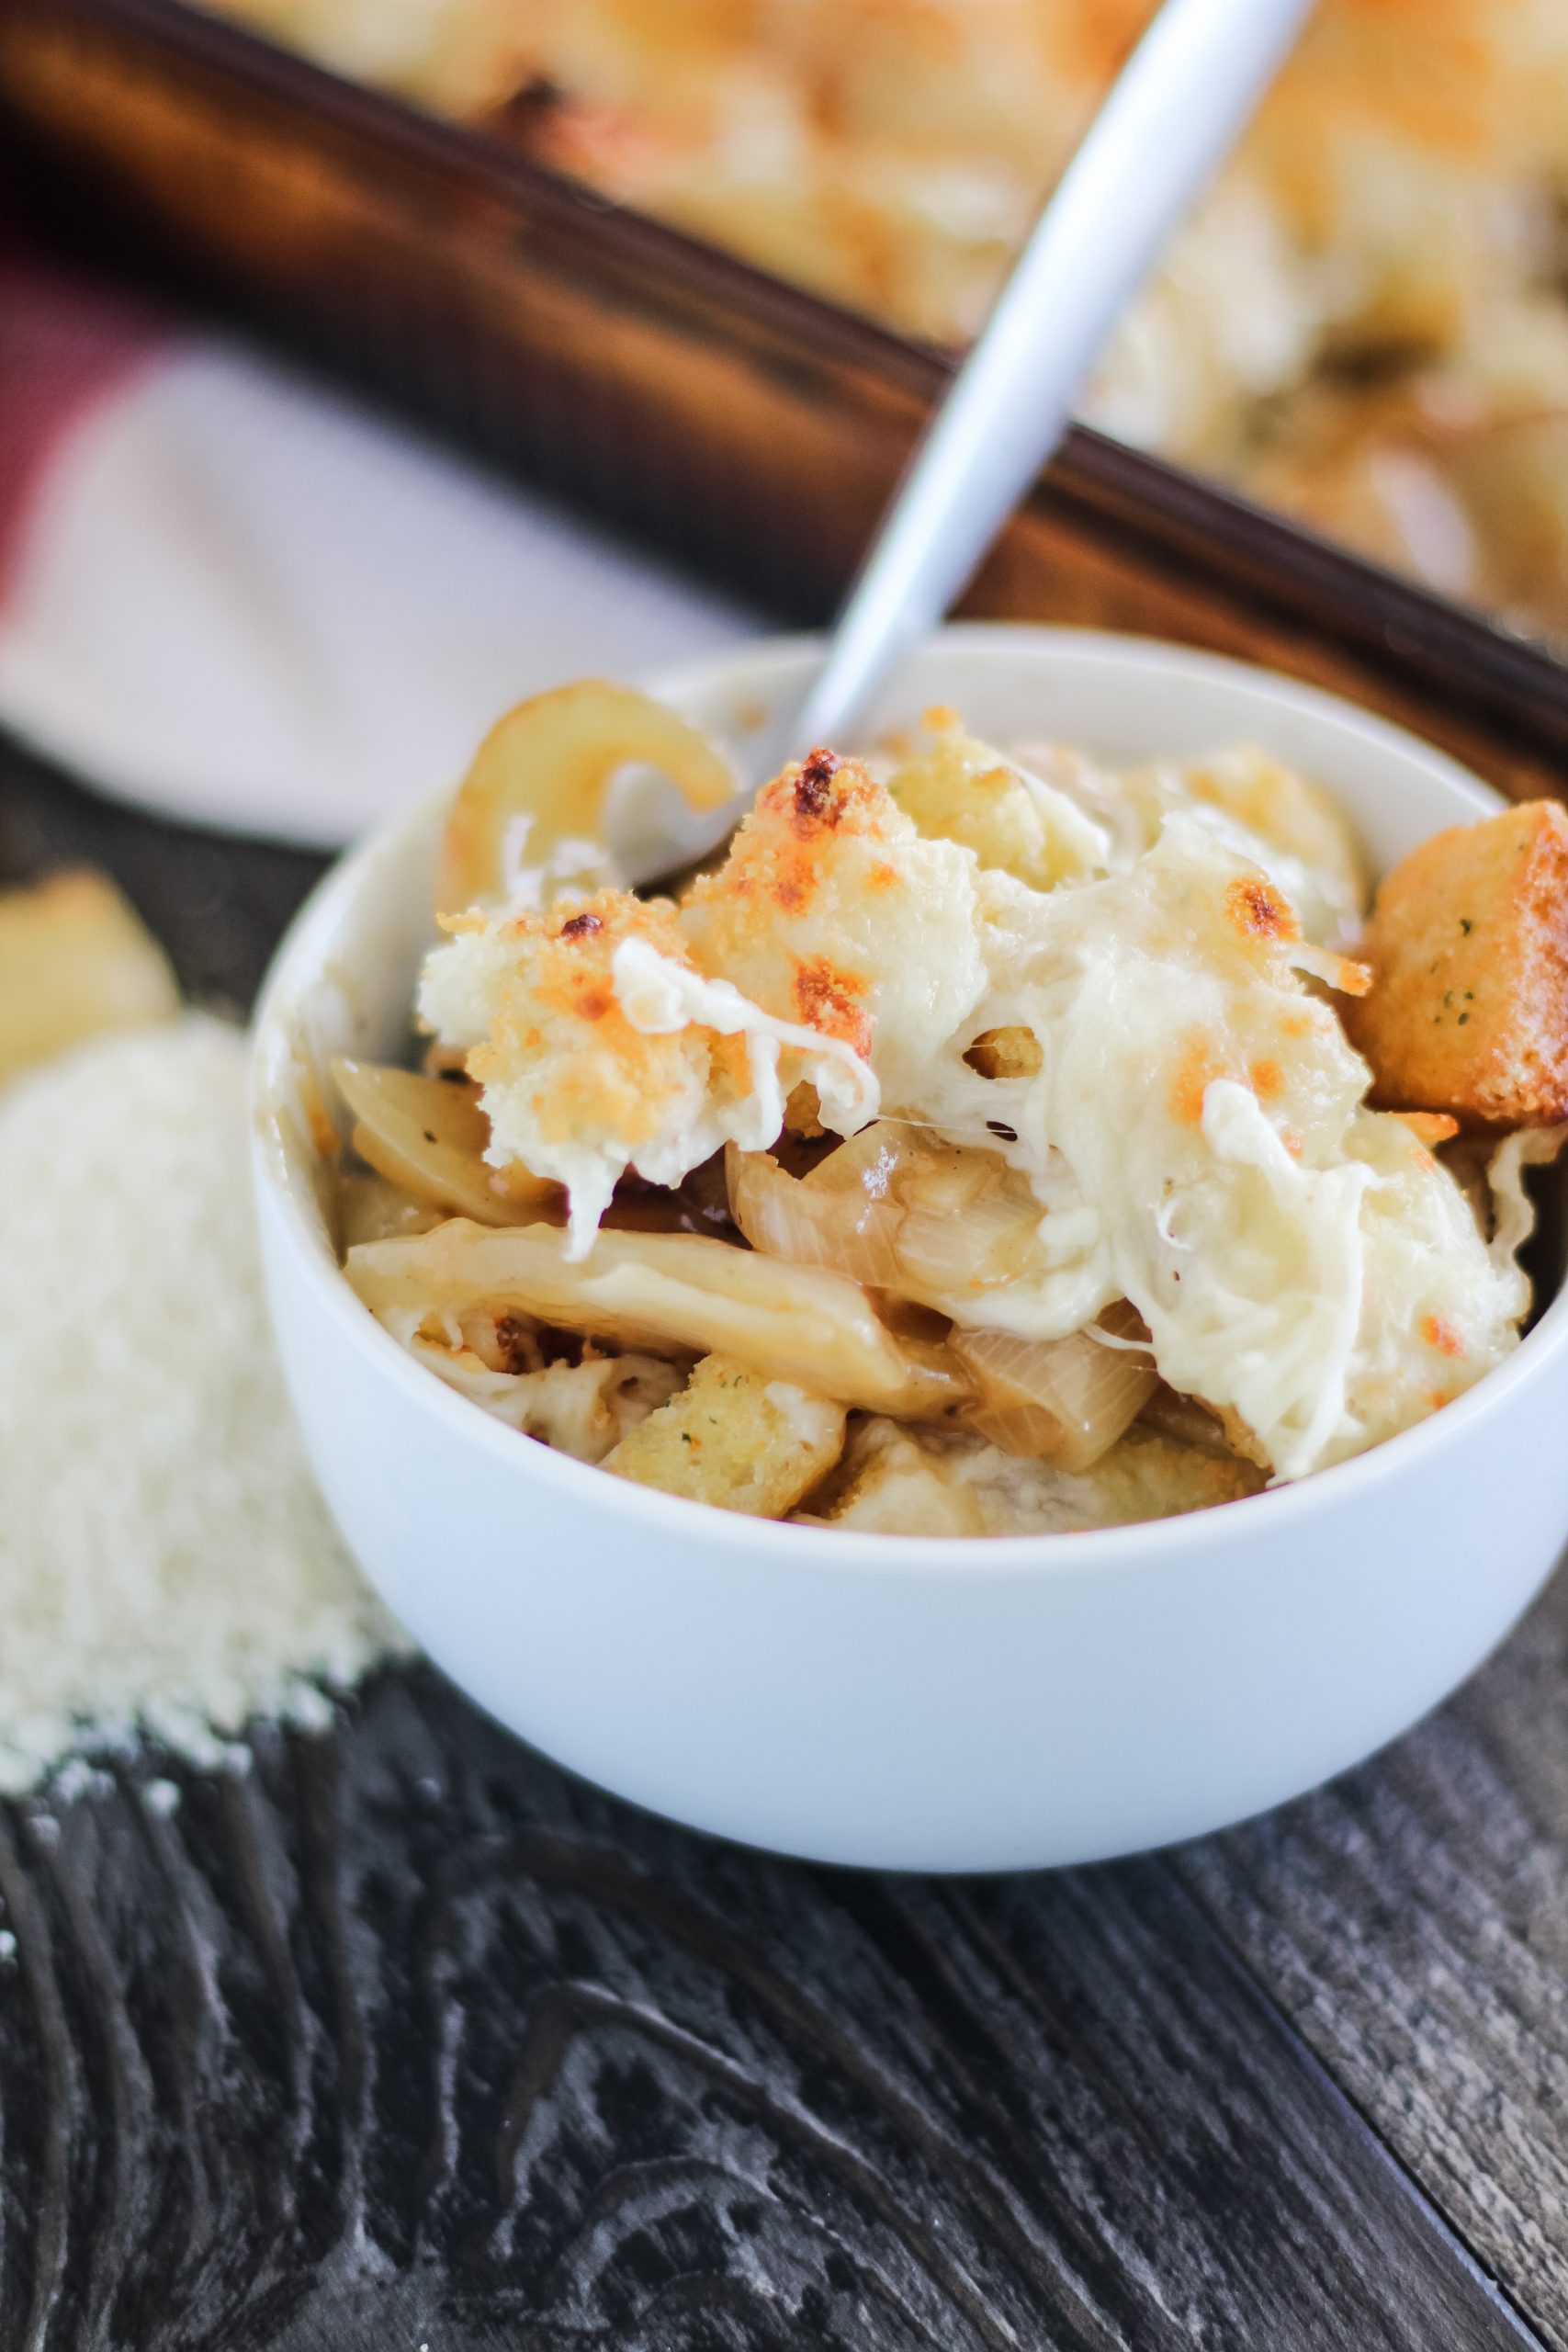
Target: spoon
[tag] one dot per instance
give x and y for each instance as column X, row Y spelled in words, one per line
column 1178, row 108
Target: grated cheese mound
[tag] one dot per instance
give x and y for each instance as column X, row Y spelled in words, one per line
column 165, row 1561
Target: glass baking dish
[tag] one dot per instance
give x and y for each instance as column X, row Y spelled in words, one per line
column 747, row 427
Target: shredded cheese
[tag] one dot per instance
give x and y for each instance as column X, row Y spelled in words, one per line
column 1301, row 1262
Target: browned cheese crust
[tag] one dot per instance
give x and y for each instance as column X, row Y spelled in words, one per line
column 1468, row 945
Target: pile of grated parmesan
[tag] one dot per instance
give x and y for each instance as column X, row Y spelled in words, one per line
column 165, row 1561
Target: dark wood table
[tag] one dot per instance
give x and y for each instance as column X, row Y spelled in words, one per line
column 406, row 2039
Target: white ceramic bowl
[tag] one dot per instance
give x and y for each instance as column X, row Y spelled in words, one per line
column 923, row 1704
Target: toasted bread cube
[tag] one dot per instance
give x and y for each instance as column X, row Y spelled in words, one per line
column 891, row 1484
column 1006, row 1053
column 74, row 960
column 733, row 1439
column 1150, row 1476
column 896, row 1481
column 1467, row 943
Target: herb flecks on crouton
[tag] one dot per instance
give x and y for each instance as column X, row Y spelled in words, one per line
column 1469, row 947
column 734, row 1438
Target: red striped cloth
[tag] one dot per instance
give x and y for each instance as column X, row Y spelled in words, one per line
column 238, row 597
column 66, row 346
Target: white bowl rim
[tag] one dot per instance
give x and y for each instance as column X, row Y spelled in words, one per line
column 1089, row 1551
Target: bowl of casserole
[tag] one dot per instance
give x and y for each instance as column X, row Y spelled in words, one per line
column 864, row 1563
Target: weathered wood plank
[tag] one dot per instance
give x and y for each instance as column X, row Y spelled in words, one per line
column 1413, row 1920
column 406, row 2030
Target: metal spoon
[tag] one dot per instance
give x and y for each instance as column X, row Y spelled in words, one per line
column 1172, row 117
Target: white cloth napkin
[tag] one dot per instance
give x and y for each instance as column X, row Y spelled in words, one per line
column 237, row 597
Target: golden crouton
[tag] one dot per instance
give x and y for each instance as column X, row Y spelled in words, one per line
column 1006, row 1053
column 74, row 960
column 896, row 1481
column 733, row 1439
column 1150, row 1476
column 1469, row 948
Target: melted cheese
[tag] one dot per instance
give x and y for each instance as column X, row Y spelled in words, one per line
column 1262, row 810
column 1195, row 1136
column 831, row 912
column 1302, row 1264
column 659, row 996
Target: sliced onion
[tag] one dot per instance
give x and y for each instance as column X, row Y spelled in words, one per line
column 865, row 1164
column 680, row 1290
column 1188, row 1419
column 548, row 766
column 848, row 1231
column 428, row 1135
column 370, row 1209
column 896, row 1209
column 986, row 1242
column 1068, row 1400
column 969, row 1221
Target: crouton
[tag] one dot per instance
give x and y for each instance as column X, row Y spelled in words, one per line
column 1148, row 1476
column 736, row 1440
column 1468, row 945
column 1014, row 1052
column 889, row 1483
column 74, row 960
column 901, row 1481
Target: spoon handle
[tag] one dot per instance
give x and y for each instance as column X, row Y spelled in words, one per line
column 1172, row 117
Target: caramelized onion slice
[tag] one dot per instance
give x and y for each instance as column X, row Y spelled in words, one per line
column 677, row 1290
column 428, row 1135
column 1067, row 1400
column 552, row 762
column 895, row 1208
column 849, row 1229
column 368, row 1208
column 1190, row 1420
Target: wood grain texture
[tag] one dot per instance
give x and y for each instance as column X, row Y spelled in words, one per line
column 404, row 2038
column 1413, row 1920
